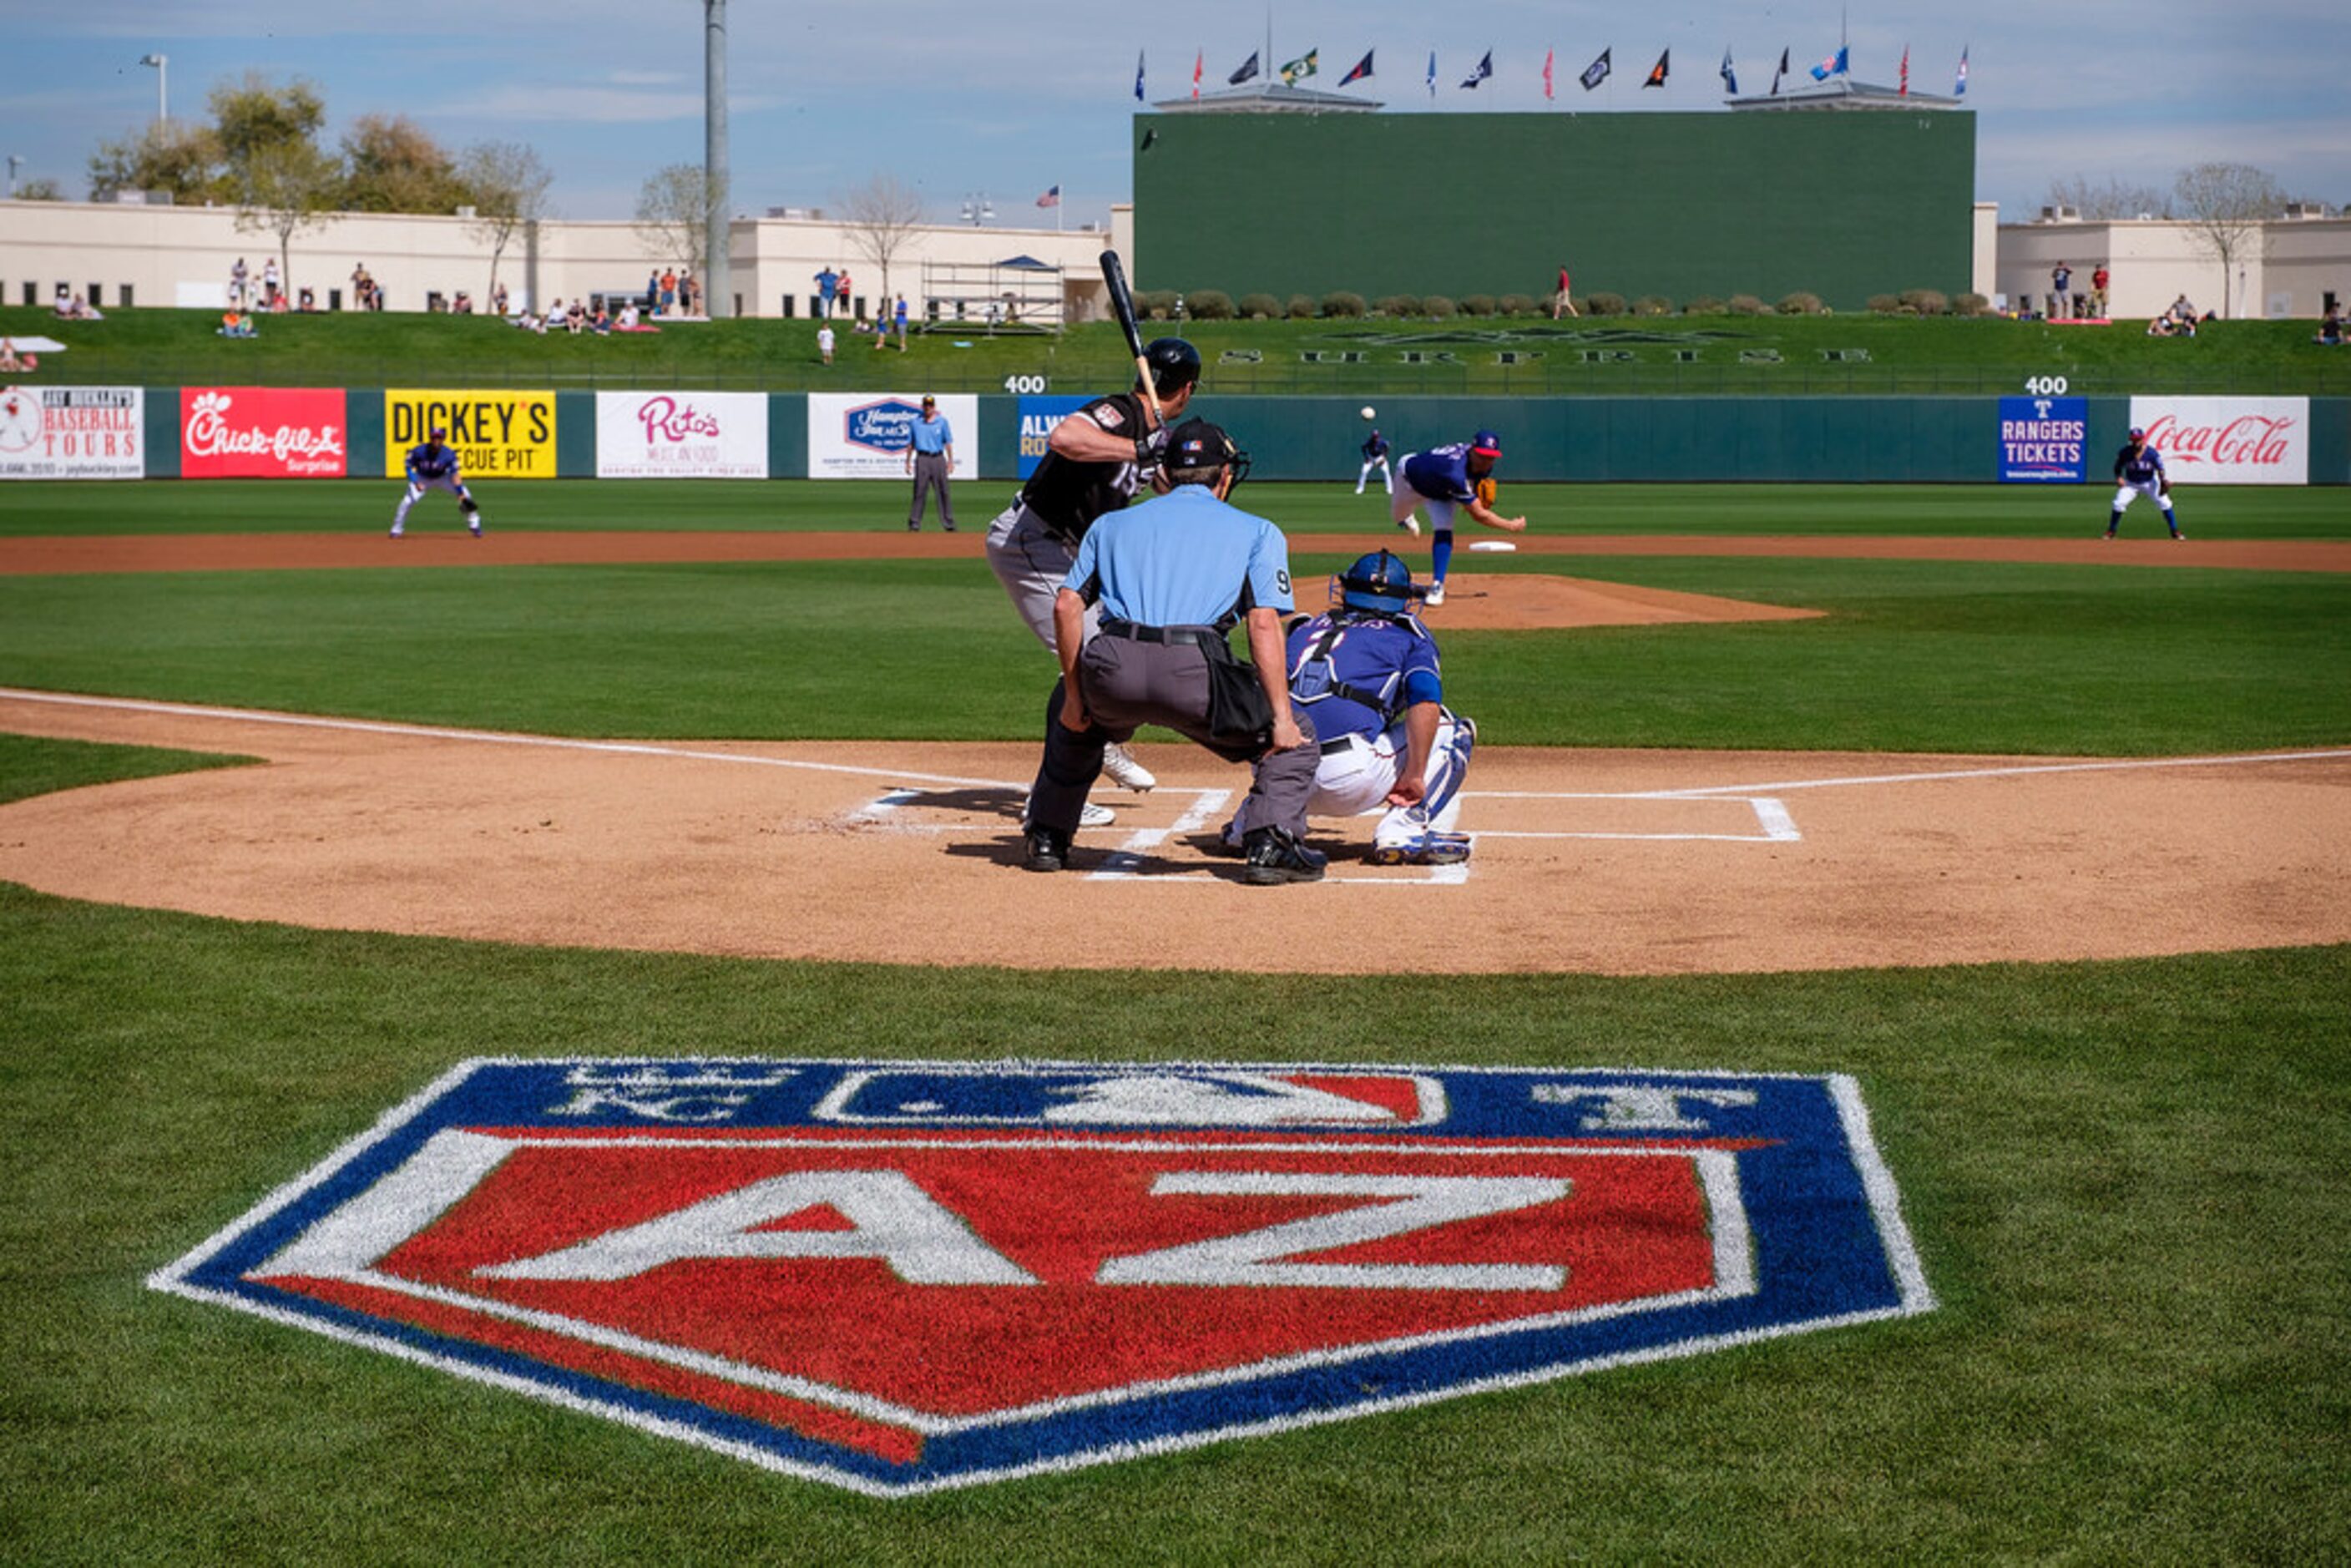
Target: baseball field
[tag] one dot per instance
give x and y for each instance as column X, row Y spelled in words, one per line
column 2042, row 841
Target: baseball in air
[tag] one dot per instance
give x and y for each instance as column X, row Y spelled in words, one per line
column 1370, row 413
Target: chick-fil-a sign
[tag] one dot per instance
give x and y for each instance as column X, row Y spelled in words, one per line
column 681, row 435
column 263, row 433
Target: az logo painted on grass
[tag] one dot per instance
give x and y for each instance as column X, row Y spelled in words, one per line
column 901, row 1277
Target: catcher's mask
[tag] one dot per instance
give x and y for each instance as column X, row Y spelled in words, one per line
column 1377, row 584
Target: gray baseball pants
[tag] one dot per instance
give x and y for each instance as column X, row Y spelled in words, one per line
column 931, row 474
column 1031, row 560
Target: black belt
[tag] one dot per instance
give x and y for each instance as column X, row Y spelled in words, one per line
column 1343, row 743
column 1205, row 636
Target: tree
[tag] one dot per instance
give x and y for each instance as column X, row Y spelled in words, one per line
column 2111, row 201
column 674, row 212
column 174, row 155
column 881, row 216
column 391, row 164
column 250, row 114
column 282, row 189
column 2225, row 206
column 39, row 191
column 508, row 184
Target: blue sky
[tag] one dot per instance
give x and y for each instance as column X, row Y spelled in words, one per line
column 1009, row 97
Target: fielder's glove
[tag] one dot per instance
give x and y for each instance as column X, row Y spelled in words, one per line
column 1488, row 488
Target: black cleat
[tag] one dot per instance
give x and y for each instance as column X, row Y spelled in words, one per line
column 1275, row 856
column 1046, row 850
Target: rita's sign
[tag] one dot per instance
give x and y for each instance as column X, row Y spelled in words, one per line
column 897, row 1277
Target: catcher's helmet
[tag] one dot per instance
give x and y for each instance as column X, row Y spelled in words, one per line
column 1174, row 365
column 1377, row 584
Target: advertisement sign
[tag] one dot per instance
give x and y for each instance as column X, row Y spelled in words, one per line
column 72, row 432
column 496, row 434
column 1039, row 416
column 263, row 433
column 2044, row 440
column 681, row 435
column 866, row 435
column 2229, row 440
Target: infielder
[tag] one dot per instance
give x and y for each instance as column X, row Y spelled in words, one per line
column 1161, row 584
column 2139, row 471
column 1365, row 675
column 1093, row 464
column 433, row 466
column 1375, row 456
column 1441, row 479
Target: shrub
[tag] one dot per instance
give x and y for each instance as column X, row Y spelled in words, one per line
column 1343, row 304
column 1747, row 304
column 1971, row 305
column 1260, row 307
column 1652, row 304
column 1883, row 305
column 1302, row 308
column 1477, row 305
column 1399, row 305
column 1438, row 308
column 1516, row 305
column 1703, row 304
column 1604, row 305
column 1800, row 303
column 1210, row 305
column 1158, row 304
column 1926, row 302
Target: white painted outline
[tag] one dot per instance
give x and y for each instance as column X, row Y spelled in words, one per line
column 1894, row 1235
column 1429, row 1092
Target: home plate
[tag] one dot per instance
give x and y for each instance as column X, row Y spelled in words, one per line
column 1493, row 547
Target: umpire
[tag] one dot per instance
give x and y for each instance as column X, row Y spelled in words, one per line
column 1170, row 577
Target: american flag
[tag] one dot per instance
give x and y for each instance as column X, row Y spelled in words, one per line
column 1051, row 198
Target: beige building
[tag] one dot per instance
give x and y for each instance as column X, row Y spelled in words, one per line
column 117, row 255
column 2287, row 268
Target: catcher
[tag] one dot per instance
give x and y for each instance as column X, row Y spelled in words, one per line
column 433, row 466
column 2139, row 471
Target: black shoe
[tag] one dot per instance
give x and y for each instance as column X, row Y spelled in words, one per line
column 1046, row 850
column 1275, row 856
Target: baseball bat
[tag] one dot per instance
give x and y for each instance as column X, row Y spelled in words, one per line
column 1122, row 300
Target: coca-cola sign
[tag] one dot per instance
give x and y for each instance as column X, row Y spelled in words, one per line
column 266, row 433
column 2229, row 440
column 681, row 435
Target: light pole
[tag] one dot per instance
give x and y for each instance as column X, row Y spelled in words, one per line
column 976, row 209
column 162, row 78
column 15, row 164
column 717, row 264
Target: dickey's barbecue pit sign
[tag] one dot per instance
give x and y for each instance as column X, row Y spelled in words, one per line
column 496, row 434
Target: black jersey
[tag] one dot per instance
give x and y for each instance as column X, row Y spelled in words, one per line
column 1068, row 495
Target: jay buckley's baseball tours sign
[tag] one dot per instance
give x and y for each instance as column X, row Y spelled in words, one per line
column 681, row 435
column 2229, row 440
column 901, row 1277
column 867, row 437
column 495, row 434
column 263, row 433
column 73, row 433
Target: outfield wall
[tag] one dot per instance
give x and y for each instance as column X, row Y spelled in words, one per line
column 506, row 435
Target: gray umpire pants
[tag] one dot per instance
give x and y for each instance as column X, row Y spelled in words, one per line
column 1125, row 683
column 1031, row 560
column 931, row 474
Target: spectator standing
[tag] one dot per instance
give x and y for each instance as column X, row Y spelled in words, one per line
column 269, row 283
column 899, row 320
column 1562, row 303
column 931, row 460
column 668, row 290
column 689, row 295
column 2098, row 279
column 828, row 284
column 498, row 299
column 848, row 305
column 824, row 341
column 2060, row 283
column 238, row 278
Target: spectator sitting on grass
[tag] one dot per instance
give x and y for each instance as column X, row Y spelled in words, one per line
column 575, row 319
column 602, row 324
column 2330, row 325
column 236, row 324
column 9, row 363
column 628, row 321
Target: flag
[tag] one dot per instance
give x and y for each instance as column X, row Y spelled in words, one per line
column 1249, row 69
column 1905, row 90
column 1362, row 72
column 1778, row 74
column 1300, row 68
column 1432, row 73
column 1596, row 73
column 1657, row 71
column 1485, row 68
column 1051, row 198
column 1729, row 77
column 1547, row 75
column 1834, row 66
column 1962, row 91
column 1198, row 60
column 1138, row 75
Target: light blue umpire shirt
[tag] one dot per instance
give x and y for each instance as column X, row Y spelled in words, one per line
column 932, row 436
column 1183, row 559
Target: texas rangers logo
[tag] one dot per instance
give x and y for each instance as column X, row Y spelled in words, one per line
column 903, row 1277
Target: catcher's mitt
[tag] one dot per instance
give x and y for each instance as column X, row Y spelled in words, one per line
column 1488, row 489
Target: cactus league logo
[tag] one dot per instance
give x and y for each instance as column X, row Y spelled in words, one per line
column 901, row 1277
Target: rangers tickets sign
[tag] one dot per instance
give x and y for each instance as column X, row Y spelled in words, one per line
column 896, row 1277
column 73, row 433
column 2044, row 440
column 262, row 433
column 681, row 435
column 867, row 438
column 2229, row 440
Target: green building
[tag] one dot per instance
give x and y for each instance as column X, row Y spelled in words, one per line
column 1843, row 206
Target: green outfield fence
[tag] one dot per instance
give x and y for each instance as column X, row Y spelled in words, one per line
column 1827, row 440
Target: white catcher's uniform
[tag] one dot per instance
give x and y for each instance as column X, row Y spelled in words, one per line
column 1358, row 771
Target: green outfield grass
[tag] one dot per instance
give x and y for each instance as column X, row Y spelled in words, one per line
column 1728, row 354
column 2123, row 1178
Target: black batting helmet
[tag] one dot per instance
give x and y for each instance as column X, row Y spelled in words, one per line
column 1174, row 365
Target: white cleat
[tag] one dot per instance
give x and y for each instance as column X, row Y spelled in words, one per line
column 1095, row 816
column 1410, row 526
column 1436, row 595
column 1125, row 771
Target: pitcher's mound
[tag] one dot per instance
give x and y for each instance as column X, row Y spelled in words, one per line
column 1524, row 601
